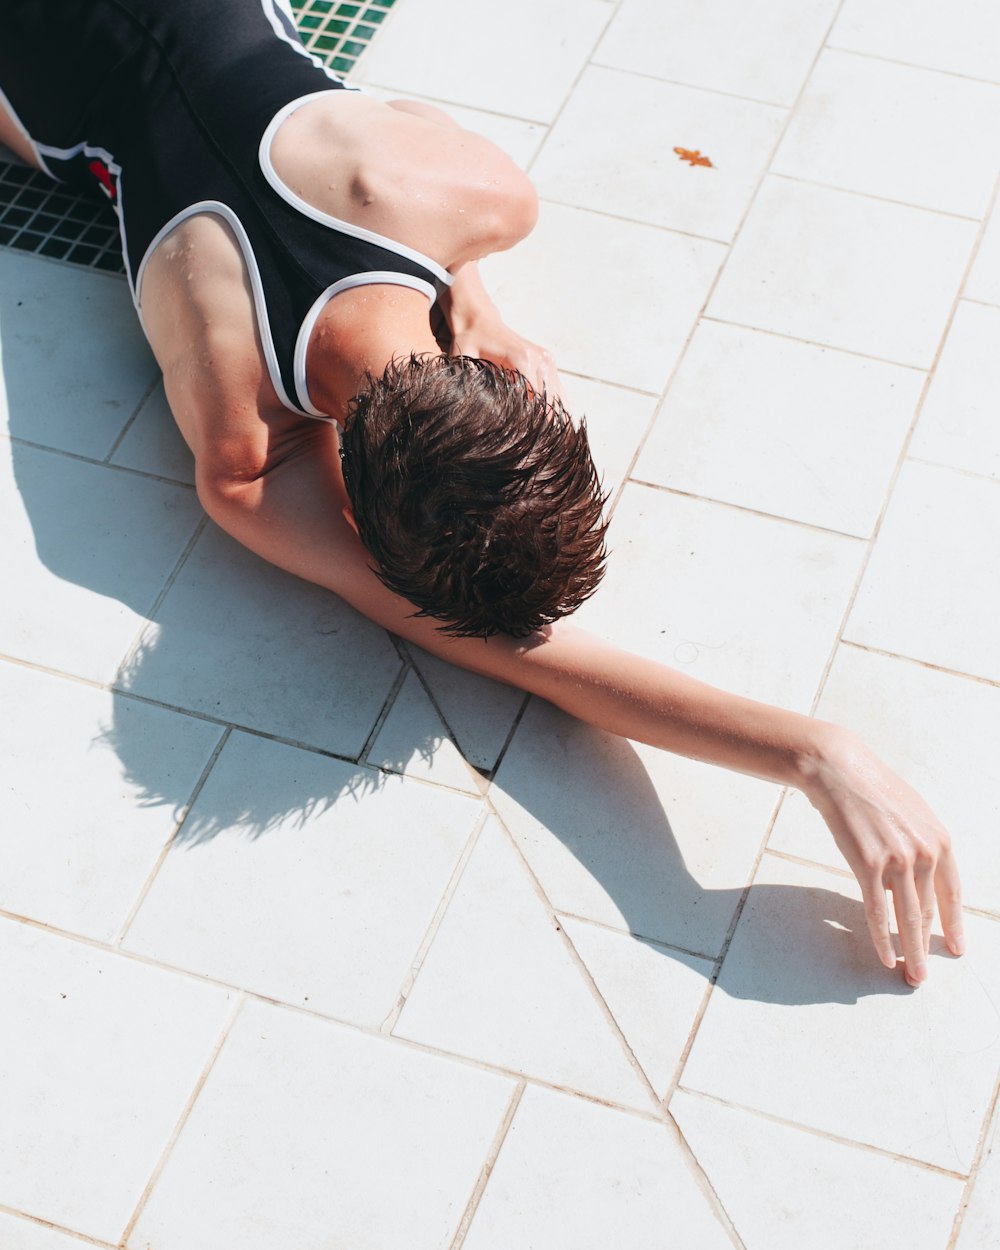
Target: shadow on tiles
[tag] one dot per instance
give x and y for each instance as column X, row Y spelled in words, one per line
column 810, row 945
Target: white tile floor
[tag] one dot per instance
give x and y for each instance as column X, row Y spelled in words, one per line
column 279, row 966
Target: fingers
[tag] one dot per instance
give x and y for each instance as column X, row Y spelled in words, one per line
column 877, row 915
column 923, row 877
column 910, row 924
column 949, row 901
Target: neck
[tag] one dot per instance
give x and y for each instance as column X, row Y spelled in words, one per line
column 358, row 333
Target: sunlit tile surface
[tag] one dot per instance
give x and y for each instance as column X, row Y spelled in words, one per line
column 309, row 939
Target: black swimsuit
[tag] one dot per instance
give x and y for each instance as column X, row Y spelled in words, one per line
column 168, row 108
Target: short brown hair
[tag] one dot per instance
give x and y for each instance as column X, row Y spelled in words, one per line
column 476, row 495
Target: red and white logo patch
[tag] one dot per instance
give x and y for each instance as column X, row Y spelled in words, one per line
column 103, row 176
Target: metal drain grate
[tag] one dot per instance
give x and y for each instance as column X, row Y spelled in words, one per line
column 39, row 216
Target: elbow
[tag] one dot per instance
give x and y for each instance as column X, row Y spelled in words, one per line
column 516, row 212
column 224, row 497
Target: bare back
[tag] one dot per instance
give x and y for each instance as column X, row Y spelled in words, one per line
column 432, row 187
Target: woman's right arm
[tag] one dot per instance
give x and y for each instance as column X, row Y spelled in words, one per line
column 296, row 516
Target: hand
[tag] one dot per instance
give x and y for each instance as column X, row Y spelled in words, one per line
column 892, row 841
column 489, row 338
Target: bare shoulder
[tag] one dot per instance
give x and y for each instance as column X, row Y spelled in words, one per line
column 397, row 170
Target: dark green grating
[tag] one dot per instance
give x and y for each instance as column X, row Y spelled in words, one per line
column 39, row 216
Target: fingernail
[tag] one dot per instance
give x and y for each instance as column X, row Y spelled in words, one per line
column 919, row 972
column 958, row 945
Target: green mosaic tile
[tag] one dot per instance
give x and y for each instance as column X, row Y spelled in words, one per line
column 36, row 216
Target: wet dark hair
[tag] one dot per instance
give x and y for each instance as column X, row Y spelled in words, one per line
column 476, row 495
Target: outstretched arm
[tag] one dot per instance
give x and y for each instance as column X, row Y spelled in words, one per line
column 294, row 516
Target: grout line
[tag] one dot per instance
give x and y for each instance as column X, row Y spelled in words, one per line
column 430, row 933
column 745, row 508
column 618, row 386
column 982, row 912
column 726, row 943
column 704, row 1183
column 515, row 725
column 659, row 943
column 789, row 857
column 882, row 1151
column 477, row 774
column 929, row 69
column 387, row 706
column 571, row 89
column 693, row 86
column 171, row 841
column 150, row 616
column 633, row 221
column 132, row 419
column 824, row 347
column 974, row 1171
column 955, row 468
column 870, row 195
column 486, row 1171
column 52, row 1226
column 17, row 441
column 182, row 1120
column 586, row 975
column 916, row 662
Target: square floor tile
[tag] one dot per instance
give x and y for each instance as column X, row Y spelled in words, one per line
column 747, row 602
column 845, row 271
column 414, row 741
column 88, row 550
column 940, row 733
column 984, row 281
column 958, row 423
column 805, row 1024
column 153, row 443
column 96, row 784
column 243, row 641
column 653, row 992
column 100, row 1055
column 613, row 300
column 757, row 48
column 784, row 1188
column 499, row 985
column 617, row 420
column 574, row 1176
column 929, row 590
column 612, row 150
column 304, row 879
column 73, row 362
column 308, row 1134
column 981, row 1226
column 913, row 135
column 962, row 36
column 782, row 427
column 461, row 51
column 636, row 838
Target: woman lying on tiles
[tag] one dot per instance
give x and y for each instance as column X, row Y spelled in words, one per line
column 284, row 238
